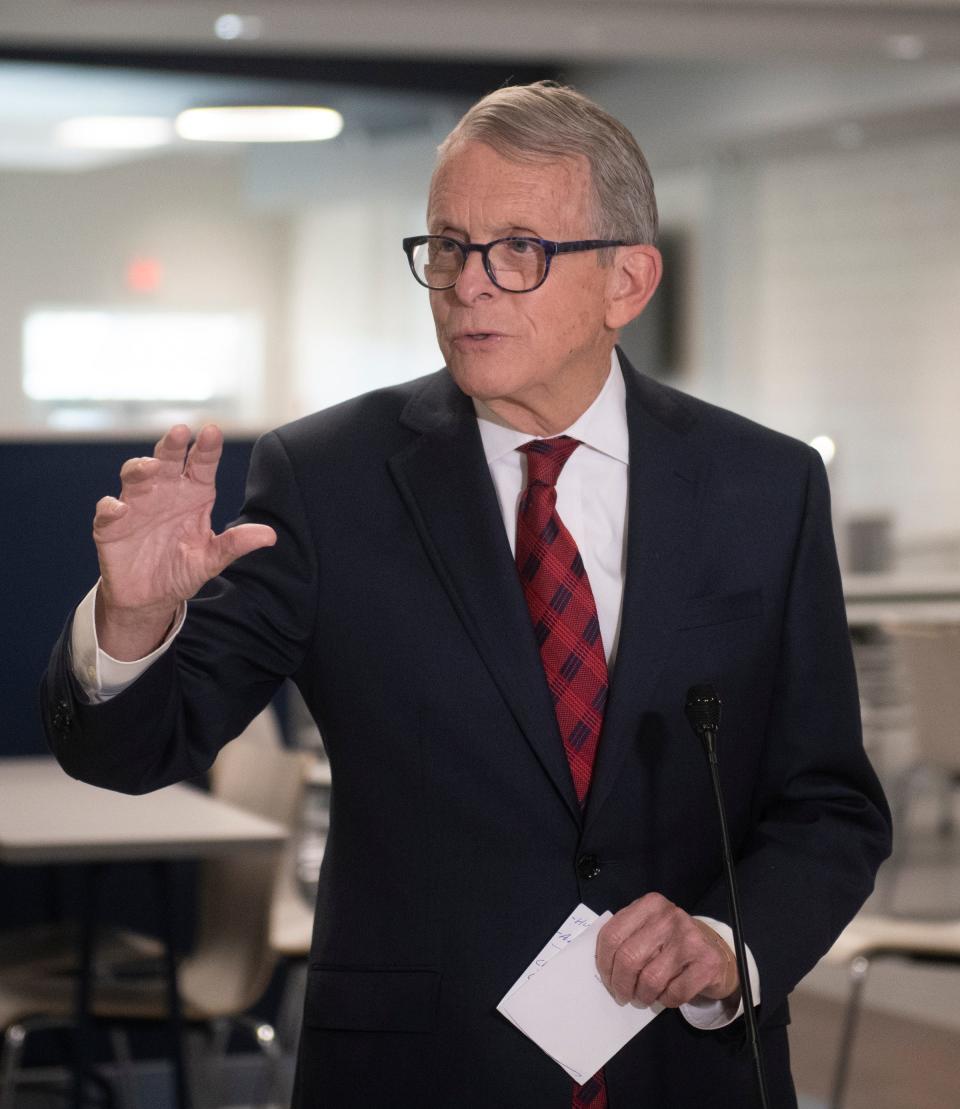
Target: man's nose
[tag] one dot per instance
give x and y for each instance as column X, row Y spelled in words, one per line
column 473, row 281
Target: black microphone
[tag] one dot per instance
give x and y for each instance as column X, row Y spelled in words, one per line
column 703, row 713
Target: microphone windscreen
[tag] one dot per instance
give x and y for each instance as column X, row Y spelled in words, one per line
column 702, row 709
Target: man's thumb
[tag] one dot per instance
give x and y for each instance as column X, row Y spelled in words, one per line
column 235, row 542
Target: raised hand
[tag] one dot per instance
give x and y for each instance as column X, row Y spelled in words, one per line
column 155, row 543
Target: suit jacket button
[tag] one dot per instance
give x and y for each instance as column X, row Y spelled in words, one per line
column 588, row 866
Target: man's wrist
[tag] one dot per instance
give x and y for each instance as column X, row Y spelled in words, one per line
column 130, row 634
column 100, row 675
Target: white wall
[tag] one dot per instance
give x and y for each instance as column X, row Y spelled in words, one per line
column 306, row 237
column 358, row 319
column 826, row 283
column 66, row 239
column 858, row 321
column 830, row 307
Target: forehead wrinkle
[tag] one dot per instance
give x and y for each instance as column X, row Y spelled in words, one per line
column 549, row 198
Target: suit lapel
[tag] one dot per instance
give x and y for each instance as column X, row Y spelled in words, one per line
column 661, row 512
column 445, row 482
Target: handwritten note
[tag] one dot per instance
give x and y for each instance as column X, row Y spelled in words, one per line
column 578, row 921
column 563, row 1006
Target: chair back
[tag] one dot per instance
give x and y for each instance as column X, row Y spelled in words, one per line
column 291, row 925
column 232, row 962
column 931, row 659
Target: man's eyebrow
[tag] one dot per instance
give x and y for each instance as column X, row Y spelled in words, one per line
column 505, row 232
column 448, row 229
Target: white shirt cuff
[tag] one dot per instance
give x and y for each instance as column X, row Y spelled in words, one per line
column 101, row 676
column 708, row 1014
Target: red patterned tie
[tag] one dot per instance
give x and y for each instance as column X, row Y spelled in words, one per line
column 565, row 622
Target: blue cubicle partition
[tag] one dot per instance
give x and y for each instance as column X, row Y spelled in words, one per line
column 48, row 491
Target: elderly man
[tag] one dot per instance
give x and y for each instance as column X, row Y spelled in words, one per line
column 493, row 587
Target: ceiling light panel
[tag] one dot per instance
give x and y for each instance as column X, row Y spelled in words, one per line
column 259, row 123
column 114, row 132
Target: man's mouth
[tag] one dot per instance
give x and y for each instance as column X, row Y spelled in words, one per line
column 476, row 336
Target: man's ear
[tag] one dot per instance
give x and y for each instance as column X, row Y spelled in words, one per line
column 636, row 273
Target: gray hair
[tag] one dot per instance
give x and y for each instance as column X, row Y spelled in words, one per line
column 549, row 121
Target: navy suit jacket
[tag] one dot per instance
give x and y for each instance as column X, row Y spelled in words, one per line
column 393, row 602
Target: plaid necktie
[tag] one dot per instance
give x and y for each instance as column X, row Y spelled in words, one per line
column 565, row 622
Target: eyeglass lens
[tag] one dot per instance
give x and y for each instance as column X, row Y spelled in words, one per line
column 515, row 264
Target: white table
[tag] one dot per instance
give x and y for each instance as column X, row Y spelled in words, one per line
column 880, row 613
column 901, row 587
column 46, row 817
column 879, row 599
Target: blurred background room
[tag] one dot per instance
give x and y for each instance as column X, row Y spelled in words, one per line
column 160, row 264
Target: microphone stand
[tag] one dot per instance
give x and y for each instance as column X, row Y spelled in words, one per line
column 703, row 712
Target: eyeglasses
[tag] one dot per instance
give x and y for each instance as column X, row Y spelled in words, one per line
column 517, row 264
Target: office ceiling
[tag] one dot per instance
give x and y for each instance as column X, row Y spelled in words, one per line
column 570, row 31
column 35, row 97
column 392, row 65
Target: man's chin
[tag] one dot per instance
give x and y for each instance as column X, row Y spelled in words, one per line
column 484, row 382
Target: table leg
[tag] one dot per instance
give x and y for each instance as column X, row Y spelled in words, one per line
column 164, row 886
column 90, row 879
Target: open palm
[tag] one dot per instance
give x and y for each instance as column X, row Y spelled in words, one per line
column 154, row 541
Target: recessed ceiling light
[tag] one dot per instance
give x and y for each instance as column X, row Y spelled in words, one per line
column 231, row 26
column 259, row 123
column 906, row 48
column 825, row 447
column 114, row 132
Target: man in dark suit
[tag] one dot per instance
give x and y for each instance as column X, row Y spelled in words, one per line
column 493, row 587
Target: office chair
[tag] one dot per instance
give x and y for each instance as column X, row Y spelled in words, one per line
column 930, row 655
column 232, row 961
column 868, row 938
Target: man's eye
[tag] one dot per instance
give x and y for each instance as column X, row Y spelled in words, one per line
column 519, row 246
column 447, row 246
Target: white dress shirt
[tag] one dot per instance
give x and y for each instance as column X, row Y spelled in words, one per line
column 591, row 492
column 591, row 501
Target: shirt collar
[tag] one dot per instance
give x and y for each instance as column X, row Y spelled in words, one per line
column 603, row 427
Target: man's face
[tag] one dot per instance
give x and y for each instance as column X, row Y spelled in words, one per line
column 520, row 351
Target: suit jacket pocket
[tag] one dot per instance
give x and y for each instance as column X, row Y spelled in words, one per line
column 721, row 608
column 372, row 999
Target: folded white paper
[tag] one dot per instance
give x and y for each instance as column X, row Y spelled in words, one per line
column 564, row 1007
column 580, row 919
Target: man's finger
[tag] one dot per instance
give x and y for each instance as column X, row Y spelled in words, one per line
column 657, row 975
column 691, row 963
column 107, row 511
column 172, row 446
column 624, row 989
column 648, row 945
column 618, row 929
column 644, row 916
column 204, row 456
column 681, row 989
column 138, row 475
column 724, row 977
column 629, row 968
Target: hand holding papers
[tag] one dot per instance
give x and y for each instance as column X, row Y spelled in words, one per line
column 563, row 1006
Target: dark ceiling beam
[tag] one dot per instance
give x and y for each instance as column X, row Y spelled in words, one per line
column 467, row 77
